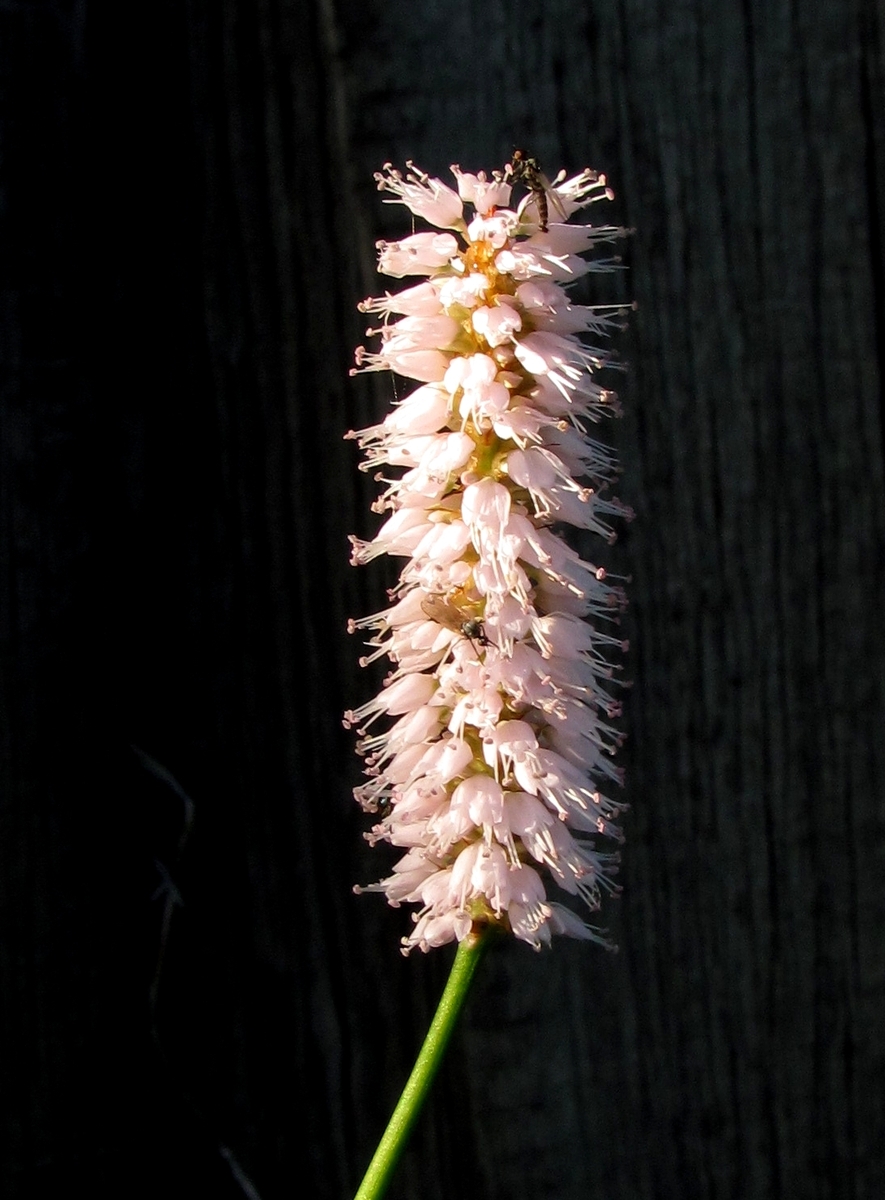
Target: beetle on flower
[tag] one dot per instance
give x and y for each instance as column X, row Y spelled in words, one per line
column 494, row 758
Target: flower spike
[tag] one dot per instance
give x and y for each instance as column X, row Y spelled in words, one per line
column 497, row 713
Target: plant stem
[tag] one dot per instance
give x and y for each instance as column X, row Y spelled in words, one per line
column 392, row 1144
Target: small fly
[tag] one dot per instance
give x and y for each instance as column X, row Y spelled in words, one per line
column 525, row 170
column 450, row 616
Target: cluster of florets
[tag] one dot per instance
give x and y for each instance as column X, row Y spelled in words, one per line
column 498, row 735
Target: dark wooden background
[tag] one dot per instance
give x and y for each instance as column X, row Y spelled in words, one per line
column 188, row 219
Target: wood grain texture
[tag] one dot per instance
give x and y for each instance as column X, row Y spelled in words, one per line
column 189, row 218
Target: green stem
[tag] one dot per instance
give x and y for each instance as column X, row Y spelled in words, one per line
column 427, row 1064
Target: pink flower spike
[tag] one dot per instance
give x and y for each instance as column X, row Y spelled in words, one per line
column 490, row 745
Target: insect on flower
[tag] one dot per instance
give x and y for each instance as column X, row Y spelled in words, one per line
column 526, row 170
column 450, row 616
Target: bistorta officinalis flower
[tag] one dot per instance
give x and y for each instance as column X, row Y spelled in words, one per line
column 489, row 751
